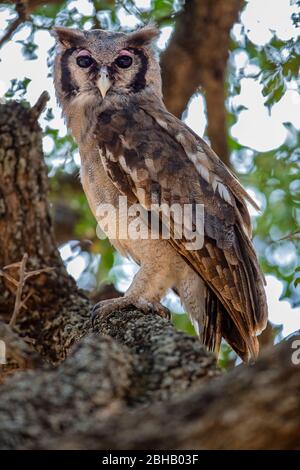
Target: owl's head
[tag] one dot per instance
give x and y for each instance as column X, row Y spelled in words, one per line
column 104, row 63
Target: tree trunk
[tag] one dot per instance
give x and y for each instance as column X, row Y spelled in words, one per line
column 55, row 305
column 197, row 58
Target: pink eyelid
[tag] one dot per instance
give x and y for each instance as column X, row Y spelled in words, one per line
column 125, row 52
column 83, row 52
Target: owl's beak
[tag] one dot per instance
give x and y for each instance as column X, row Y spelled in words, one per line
column 103, row 82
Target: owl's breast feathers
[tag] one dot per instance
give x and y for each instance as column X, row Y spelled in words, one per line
column 146, row 148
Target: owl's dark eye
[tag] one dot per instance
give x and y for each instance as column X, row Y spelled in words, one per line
column 124, row 61
column 84, row 61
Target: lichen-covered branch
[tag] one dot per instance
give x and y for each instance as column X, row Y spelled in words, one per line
column 135, row 360
column 89, row 402
column 254, row 407
column 19, row 353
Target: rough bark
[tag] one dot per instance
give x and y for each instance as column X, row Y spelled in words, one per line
column 19, row 354
column 135, row 361
column 55, row 304
column 249, row 408
column 197, row 57
column 89, row 402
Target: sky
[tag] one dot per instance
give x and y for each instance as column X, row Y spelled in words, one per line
column 255, row 127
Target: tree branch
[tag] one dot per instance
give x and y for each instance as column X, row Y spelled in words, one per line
column 22, row 15
column 90, row 401
column 23, row 9
column 249, row 408
column 19, row 354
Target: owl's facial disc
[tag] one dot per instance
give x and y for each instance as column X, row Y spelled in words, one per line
column 93, row 69
column 103, row 83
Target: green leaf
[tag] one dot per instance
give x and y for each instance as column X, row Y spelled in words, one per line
column 49, row 114
column 276, row 95
column 182, row 323
column 17, row 88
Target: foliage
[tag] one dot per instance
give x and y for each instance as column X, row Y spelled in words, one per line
column 183, row 323
column 274, row 175
column 18, row 88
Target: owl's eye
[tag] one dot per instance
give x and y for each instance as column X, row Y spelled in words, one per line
column 124, row 61
column 84, row 61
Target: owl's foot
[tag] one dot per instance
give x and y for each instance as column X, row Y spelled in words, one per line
column 153, row 307
column 105, row 308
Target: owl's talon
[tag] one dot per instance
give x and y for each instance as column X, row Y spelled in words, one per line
column 155, row 308
column 162, row 311
column 94, row 313
column 103, row 309
column 106, row 307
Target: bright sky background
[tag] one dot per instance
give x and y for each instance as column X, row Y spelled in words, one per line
column 256, row 127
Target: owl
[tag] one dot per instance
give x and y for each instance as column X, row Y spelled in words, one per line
column 109, row 87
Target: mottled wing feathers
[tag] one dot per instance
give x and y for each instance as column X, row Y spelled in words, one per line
column 153, row 157
column 207, row 163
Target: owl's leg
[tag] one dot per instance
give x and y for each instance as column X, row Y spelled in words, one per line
column 192, row 295
column 144, row 294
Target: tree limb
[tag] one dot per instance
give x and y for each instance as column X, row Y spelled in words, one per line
column 22, row 15
column 87, row 403
column 254, row 407
column 249, row 408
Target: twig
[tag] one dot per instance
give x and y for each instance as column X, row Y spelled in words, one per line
column 290, row 236
column 38, row 271
column 22, row 16
column 12, row 266
column 14, row 283
column 23, row 303
column 19, row 291
column 9, row 278
column 19, row 284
